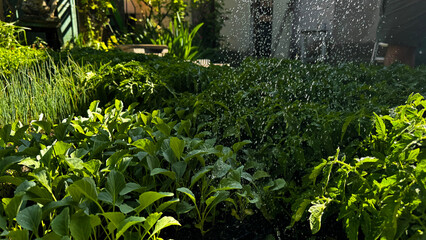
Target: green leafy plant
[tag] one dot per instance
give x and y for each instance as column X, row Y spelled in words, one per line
column 111, row 174
column 11, row 35
column 179, row 39
column 94, row 15
column 380, row 194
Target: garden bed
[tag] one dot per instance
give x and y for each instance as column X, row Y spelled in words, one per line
column 163, row 147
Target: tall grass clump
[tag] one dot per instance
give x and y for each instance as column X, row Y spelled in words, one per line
column 55, row 90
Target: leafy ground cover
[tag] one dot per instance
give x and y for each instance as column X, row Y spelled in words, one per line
column 220, row 149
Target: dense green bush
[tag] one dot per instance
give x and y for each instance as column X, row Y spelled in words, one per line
column 12, row 59
column 381, row 192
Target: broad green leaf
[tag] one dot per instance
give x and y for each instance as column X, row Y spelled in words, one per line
column 188, row 193
column 219, row 197
column 146, row 145
column 92, row 166
column 260, row 174
column 95, row 221
column 12, row 205
column 21, row 234
column 115, row 218
column 24, row 186
column 6, row 162
column 84, row 186
column 116, row 157
column 166, row 205
column 185, row 125
column 148, row 198
column 316, row 211
column 152, row 162
column 48, row 208
column 41, row 176
column 220, row 169
column 163, row 223
column 164, row 128
column 420, row 172
column 11, row 180
column 54, row 236
column 5, row 132
column 60, row 148
column 345, row 126
column 200, row 174
column 146, row 118
column 130, row 187
column 79, row 153
column 75, row 163
column 30, row 162
column 279, row 184
column 177, row 146
column 300, row 210
column 124, row 208
column 3, row 222
column 366, row 224
column 39, row 195
column 45, row 125
column 196, row 153
column 151, row 220
column 115, row 184
column 168, row 154
column 239, row 145
column 106, row 197
column 389, row 213
column 60, row 131
column 179, row 168
column 352, row 226
column 386, row 182
column 127, row 223
column 170, row 174
column 94, row 106
column 118, row 105
column 412, row 157
column 30, row 218
column 316, row 171
column 228, row 184
column 183, row 207
column 80, row 226
column 60, row 224
column 46, row 156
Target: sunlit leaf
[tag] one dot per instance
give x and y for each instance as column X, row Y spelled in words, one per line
column 188, row 193
column 177, row 146
column 127, row 223
column 148, row 198
column 316, row 210
column 163, row 223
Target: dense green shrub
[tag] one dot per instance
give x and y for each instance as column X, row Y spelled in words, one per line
column 12, row 59
column 381, row 192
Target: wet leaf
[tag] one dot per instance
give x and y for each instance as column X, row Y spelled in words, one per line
column 30, row 218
